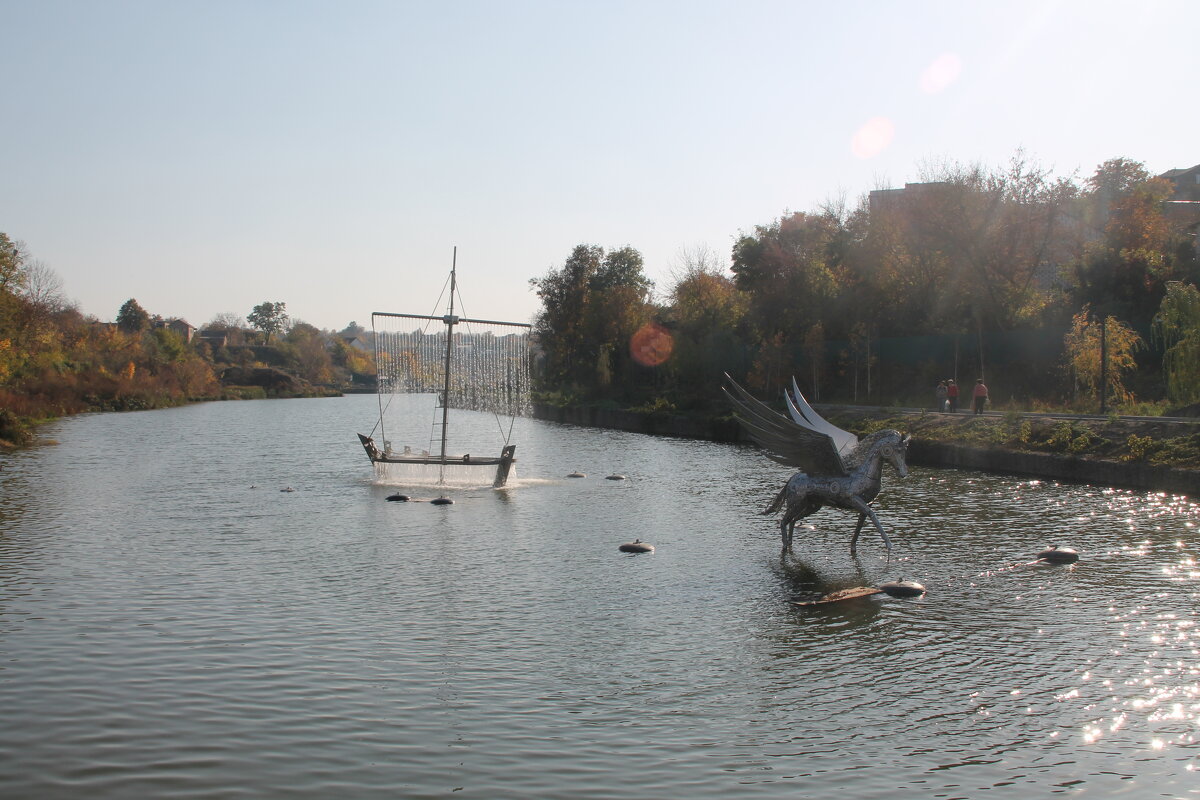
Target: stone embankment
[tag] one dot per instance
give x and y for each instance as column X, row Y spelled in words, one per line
column 928, row 451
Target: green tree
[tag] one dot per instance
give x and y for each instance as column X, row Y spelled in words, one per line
column 169, row 344
column 788, row 269
column 617, row 306
column 591, row 307
column 132, row 318
column 268, row 317
column 1177, row 328
column 564, row 294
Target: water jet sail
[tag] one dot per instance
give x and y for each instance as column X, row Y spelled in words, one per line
column 440, row 363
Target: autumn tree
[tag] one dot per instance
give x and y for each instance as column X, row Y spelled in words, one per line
column 1100, row 357
column 1132, row 254
column 12, row 258
column 308, row 353
column 707, row 314
column 355, row 361
column 978, row 240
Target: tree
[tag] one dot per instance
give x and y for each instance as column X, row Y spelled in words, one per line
column 706, row 314
column 1177, row 328
column 617, row 306
column 268, row 317
column 591, row 308
column 132, row 318
column 12, row 258
column 564, row 296
column 1085, row 351
column 225, row 321
column 309, row 353
column 966, row 247
column 1133, row 253
column 169, row 344
column 43, row 287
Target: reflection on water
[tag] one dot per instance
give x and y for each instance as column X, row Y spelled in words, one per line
column 173, row 624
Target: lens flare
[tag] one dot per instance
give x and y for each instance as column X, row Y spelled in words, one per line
column 942, row 72
column 651, row 345
column 873, row 137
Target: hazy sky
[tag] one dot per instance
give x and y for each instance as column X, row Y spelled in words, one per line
column 203, row 157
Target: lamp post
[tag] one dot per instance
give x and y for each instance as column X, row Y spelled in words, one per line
column 1103, row 365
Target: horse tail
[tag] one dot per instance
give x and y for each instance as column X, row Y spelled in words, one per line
column 777, row 503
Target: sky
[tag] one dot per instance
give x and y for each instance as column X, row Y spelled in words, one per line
column 205, row 156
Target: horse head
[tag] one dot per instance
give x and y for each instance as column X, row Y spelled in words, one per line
column 893, row 448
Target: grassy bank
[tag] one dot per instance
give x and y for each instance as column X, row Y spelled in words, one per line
column 1155, row 442
column 1168, row 443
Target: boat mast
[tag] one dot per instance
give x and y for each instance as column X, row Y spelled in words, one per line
column 450, row 321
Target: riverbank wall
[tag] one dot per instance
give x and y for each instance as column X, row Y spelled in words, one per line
column 921, row 452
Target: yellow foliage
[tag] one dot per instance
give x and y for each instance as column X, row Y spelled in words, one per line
column 1083, row 352
column 129, row 370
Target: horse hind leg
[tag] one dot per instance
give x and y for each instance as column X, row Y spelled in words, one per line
column 796, row 511
column 786, row 529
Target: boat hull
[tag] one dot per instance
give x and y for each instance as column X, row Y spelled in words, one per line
column 503, row 463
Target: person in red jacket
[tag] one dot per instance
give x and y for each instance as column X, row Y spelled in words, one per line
column 952, row 395
column 980, row 394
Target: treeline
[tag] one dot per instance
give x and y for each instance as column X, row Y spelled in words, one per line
column 1009, row 274
column 56, row 361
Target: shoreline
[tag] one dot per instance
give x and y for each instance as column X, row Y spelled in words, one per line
column 923, row 451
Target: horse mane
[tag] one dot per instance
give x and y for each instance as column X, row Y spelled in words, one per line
column 867, row 445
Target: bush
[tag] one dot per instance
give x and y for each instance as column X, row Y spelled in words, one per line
column 1140, row 447
column 13, row 431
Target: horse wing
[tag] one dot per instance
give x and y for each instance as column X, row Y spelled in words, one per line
column 785, row 441
column 806, row 415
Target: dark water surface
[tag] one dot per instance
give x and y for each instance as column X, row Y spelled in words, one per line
column 173, row 625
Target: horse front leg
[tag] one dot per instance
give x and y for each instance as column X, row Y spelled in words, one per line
column 857, row 530
column 863, row 508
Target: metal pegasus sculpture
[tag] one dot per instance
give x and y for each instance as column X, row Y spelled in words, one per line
column 837, row 469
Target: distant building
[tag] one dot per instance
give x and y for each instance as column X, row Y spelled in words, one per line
column 1186, row 183
column 214, row 338
column 185, row 330
column 888, row 199
column 358, row 343
column 1183, row 209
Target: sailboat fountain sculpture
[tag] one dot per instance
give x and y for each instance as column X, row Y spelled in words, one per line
column 471, row 364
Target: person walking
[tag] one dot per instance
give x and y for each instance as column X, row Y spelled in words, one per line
column 952, row 395
column 980, row 394
column 940, row 394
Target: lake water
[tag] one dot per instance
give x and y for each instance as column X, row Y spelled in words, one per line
column 174, row 625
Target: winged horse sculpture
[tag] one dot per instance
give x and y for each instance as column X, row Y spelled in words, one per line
column 837, row 469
